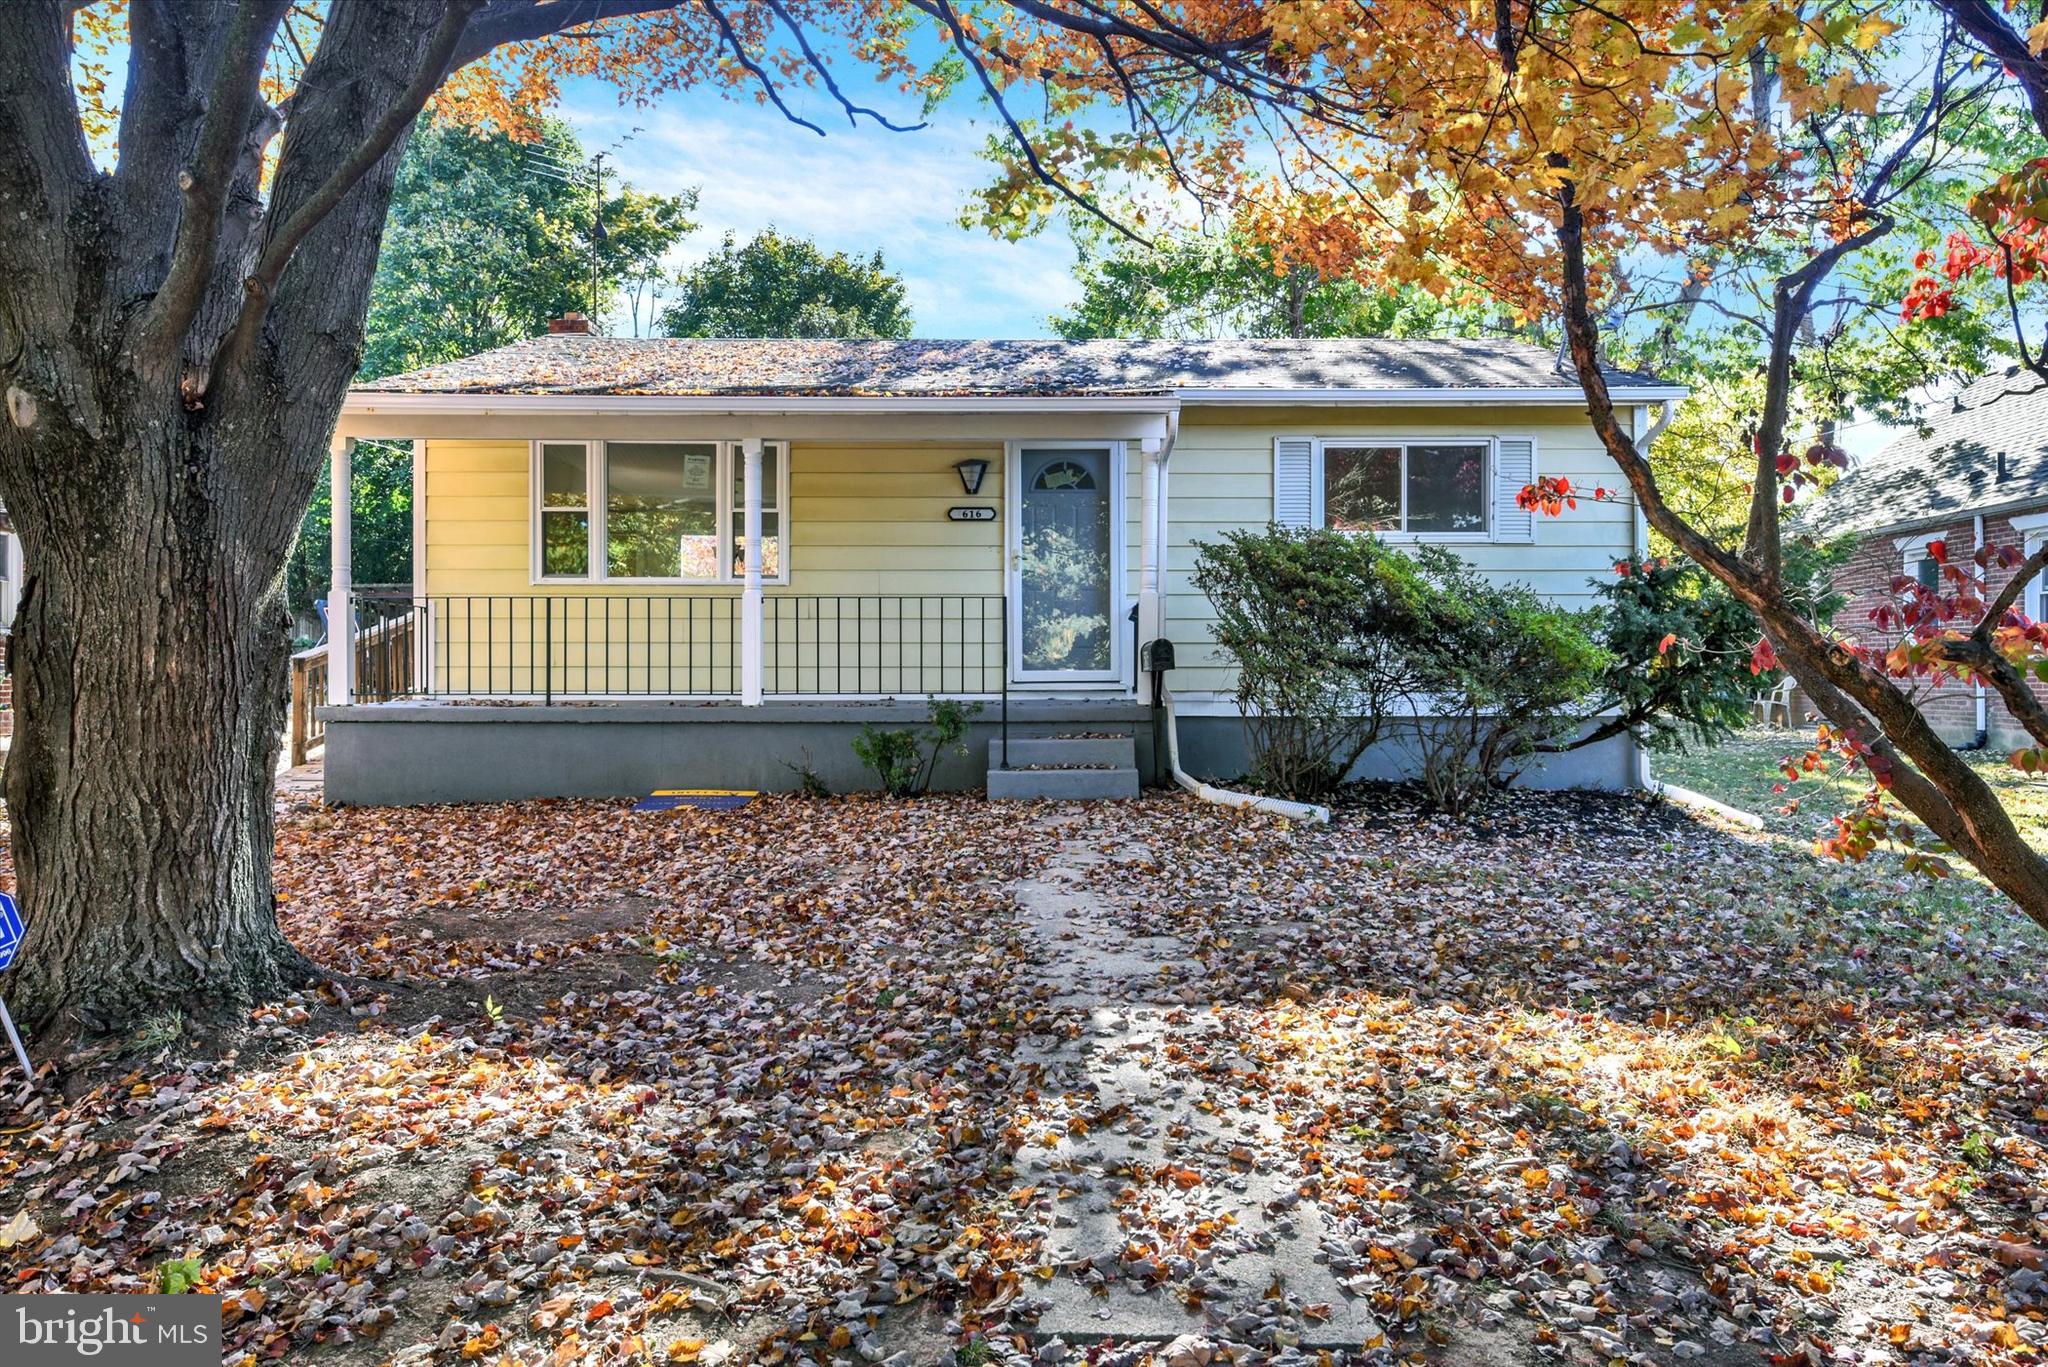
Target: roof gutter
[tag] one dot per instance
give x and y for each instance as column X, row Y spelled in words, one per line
column 360, row 402
column 1549, row 394
column 583, row 405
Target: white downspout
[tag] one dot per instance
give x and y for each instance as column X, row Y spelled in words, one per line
column 1983, row 737
column 1157, row 534
column 1639, row 547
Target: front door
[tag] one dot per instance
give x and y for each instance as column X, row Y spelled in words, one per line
column 1063, row 563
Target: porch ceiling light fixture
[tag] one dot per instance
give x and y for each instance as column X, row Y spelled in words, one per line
column 971, row 472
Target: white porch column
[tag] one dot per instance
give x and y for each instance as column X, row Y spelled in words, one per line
column 1148, row 546
column 750, row 598
column 341, row 637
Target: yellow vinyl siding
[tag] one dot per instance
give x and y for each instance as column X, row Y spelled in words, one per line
column 863, row 522
column 866, row 520
column 1221, row 476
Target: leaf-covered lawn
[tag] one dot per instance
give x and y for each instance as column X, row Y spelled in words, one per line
column 1742, row 770
column 1594, row 1083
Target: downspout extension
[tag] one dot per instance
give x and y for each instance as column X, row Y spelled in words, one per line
column 1222, row 797
column 1230, row 797
column 1639, row 547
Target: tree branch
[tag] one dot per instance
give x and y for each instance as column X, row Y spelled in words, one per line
column 284, row 241
column 502, row 22
column 231, row 103
column 1986, row 24
column 1038, row 168
column 1943, row 791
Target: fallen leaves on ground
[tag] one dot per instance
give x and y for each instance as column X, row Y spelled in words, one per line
column 784, row 1085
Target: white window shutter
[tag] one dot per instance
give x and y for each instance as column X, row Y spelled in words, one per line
column 1514, row 469
column 1294, row 482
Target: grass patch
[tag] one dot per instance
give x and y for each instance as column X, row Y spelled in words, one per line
column 1742, row 770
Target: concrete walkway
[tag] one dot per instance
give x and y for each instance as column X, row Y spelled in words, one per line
column 1163, row 1194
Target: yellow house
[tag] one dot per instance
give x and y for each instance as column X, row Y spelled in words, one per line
column 705, row 563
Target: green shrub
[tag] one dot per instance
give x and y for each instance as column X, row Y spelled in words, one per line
column 1508, row 676
column 1678, row 645
column 1333, row 632
column 904, row 759
column 1324, row 628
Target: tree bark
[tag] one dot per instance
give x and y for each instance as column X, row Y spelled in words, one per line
column 157, row 483
column 1925, row 774
column 148, row 661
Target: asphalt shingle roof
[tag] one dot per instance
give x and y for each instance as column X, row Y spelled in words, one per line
column 571, row 363
column 1952, row 469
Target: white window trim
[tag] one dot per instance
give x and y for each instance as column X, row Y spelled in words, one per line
column 2033, row 530
column 727, row 459
column 1319, row 486
column 1013, row 589
column 1913, row 549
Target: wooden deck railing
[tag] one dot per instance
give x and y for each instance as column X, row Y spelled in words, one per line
column 309, row 690
column 384, row 670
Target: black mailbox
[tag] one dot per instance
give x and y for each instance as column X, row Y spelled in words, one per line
column 1156, row 657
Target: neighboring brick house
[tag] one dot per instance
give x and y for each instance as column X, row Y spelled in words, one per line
column 1978, row 476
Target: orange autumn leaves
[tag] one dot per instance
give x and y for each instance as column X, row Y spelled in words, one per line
column 1419, row 143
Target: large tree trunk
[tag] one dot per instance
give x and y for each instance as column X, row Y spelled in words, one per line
column 150, row 665
column 174, row 351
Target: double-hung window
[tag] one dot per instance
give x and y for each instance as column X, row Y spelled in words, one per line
column 653, row 511
column 1406, row 488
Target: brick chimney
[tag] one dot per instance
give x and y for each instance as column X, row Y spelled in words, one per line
column 571, row 321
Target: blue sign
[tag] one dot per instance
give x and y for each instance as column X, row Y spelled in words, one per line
column 10, row 930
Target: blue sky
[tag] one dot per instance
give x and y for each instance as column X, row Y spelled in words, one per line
column 856, row 190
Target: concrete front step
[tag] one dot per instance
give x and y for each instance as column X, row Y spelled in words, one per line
column 1071, row 752
column 1062, row 784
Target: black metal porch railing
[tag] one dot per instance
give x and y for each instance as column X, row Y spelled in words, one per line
column 882, row 645
column 676, row 645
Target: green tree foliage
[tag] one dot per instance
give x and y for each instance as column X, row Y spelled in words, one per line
column 480, row 251
column 380, row 498
column 777, row 286
column 1678, row 671
column 1853, row 361
column 1200, row 285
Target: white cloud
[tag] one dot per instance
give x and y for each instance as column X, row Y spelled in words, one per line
column 856, row 190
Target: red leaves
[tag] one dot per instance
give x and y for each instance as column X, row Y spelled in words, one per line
column 1926, row 300
column 1762, row 656
column 1669, row 639
column 1549, row 495
column 2014, row 247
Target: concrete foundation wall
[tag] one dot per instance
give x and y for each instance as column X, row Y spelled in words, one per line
column 395, row 754
column 399, row 754
column 1213, row 748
